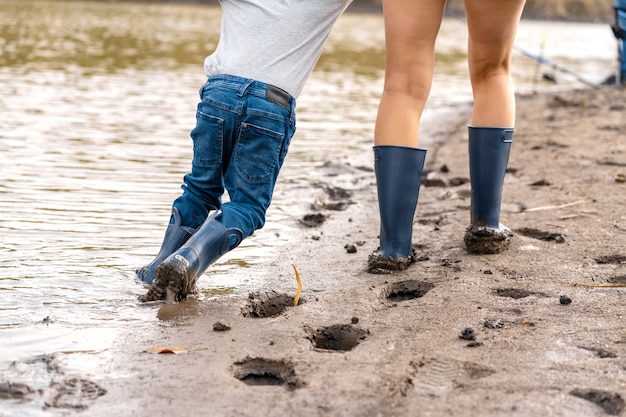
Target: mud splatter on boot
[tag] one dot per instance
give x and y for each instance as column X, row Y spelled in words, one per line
column 398, row 177
column 177, row 275
column 481, row 240
column 489, row 149
column 381, row 264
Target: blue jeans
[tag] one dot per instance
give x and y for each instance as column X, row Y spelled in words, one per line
column 242, row 134
column 620, row 10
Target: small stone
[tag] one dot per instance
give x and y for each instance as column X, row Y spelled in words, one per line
column 350, row 248
column 220, row 327
column 565, row 300
column 354, row 320
column 468, row 333
column 494, row 323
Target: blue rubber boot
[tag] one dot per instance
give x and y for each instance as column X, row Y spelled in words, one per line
column 398, row 178
column 177, row 275
column 175, row 236
column 620, row 32
column 489, row 149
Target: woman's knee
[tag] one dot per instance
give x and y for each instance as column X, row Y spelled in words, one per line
column 409, row 80
column 407, row 92
column 492, row 26
column 485, row 70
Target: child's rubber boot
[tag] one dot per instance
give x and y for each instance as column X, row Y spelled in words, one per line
column 177, row 275
column 175, row 236
column 489, row 149
column 398, row 177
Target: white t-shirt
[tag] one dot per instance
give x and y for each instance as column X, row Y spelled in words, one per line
column 277, row 42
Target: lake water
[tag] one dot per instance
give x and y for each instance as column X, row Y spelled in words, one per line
column 96, row 104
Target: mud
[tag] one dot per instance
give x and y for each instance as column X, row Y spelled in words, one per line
column 454, row 334
column 338, row 337
column 611, row 259
column 540, row 234
column 406, row 290
column 313, row 220
column 64, row 393
column 259, row 371
column 480, row 240
column 381, row 264
column 218, row 326
column 611, row 403
column 268, row 304
column 14, row 390
column 73, row 393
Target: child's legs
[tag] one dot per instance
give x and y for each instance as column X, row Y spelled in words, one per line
column 492, row 26
column 411, row 29
column 259, row 152
column 203, row 187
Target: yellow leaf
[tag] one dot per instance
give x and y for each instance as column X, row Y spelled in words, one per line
column 299, row 290
column 173, row 350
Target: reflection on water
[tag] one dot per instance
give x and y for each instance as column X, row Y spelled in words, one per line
column 97, row 102
column 106, row 36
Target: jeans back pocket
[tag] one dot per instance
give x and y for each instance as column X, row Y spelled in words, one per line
column 258, row 155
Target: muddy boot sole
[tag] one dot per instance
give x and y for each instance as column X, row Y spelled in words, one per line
column 484, row 240
column 380, row 264
column 175, row 277
column 155, row 293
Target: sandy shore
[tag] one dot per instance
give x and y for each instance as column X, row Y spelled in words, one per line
column 538, row 330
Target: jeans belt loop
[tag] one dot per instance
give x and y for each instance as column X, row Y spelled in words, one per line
column 244, row 88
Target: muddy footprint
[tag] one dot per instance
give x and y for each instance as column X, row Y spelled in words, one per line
column 338, row 337
column 268, row 304
column 406, row 290
column 76, row 393
column 268, row 372
column 610, row 402
column 540, row 234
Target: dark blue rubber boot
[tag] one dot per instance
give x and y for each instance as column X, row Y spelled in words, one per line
column 398, row 177
column 177, row 275
column 489, row 149
column 175, row 236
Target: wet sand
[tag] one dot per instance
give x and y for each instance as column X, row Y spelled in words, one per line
column 536, row 330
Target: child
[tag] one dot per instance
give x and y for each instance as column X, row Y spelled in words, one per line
column 245, row 122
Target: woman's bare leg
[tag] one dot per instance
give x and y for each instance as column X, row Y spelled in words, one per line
column 492, row 25
column 411, row 28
